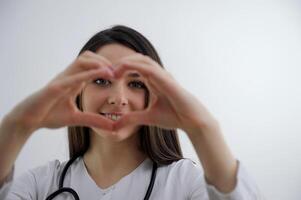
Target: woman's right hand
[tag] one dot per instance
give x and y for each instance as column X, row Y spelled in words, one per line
column 54, row 105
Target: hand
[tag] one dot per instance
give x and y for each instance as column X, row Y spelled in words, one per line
column 54, row 105
column 170, row 105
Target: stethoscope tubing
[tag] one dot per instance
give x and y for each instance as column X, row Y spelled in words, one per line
column 74, row 193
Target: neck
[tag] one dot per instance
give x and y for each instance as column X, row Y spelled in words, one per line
column 107, row 159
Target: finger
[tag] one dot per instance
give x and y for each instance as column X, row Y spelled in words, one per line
column 153, row 100
column 133, row 118
column 97, row 57
column 86, row 63
column 159, row 78
column 75, row 91
column 153, row 93
column 83, row 64
column 138, row 57
column 91, row 120
column 128, row 65
column 84, row 77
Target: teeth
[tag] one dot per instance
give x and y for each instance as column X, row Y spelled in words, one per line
column 113, row 117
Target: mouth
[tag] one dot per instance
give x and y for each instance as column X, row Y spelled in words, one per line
column 112, row 116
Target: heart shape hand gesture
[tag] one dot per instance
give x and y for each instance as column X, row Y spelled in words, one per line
column 170, row 106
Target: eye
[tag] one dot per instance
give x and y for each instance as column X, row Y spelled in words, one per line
column 137, row 84
column 101, row 81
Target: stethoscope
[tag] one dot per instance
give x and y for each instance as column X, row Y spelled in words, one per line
column 75, row 195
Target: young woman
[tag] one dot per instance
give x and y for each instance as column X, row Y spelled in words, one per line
column 122, row 110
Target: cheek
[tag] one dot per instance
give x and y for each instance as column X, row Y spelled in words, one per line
column 92, row 100
column 139, row 100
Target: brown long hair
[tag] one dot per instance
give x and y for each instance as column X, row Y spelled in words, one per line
column 161, row 145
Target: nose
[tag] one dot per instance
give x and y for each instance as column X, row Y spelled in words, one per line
column 118, row 97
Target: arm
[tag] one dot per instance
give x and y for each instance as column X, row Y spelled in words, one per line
column 12, row 139
column 220, row 166
column 171, row 106
column 52, row 107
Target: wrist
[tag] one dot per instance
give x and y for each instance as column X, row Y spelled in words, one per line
column 202, row 127
column 15, row 127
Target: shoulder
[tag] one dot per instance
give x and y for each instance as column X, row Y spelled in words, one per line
column 184, row 166
column 183, row 171
column 37, row 181
column 43, row 176
column 50, row 169
column 183, row 176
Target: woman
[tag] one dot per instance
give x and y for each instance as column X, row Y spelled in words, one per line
column 122, row 110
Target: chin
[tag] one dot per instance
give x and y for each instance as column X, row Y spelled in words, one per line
column 116, row 136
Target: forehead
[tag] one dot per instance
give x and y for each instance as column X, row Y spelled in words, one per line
column 114, row 52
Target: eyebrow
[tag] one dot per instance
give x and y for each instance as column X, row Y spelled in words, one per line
column 133, row 75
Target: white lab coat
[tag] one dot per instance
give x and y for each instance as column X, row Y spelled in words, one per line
column 181, row 180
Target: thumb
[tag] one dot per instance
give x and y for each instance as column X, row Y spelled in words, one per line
column 133, row 118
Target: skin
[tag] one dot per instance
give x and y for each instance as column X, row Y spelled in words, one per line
column 114, row 149
column 113, row 154
column 171, row 106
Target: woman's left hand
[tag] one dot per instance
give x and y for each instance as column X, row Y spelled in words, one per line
column 170, row 106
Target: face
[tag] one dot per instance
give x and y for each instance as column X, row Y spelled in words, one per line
column 126, row 94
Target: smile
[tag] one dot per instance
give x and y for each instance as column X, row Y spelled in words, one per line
column 113, row 117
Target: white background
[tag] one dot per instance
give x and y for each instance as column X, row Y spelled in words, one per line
column 240, row 58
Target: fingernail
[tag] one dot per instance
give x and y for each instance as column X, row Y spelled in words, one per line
column 110, row 72
column 108, row 68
